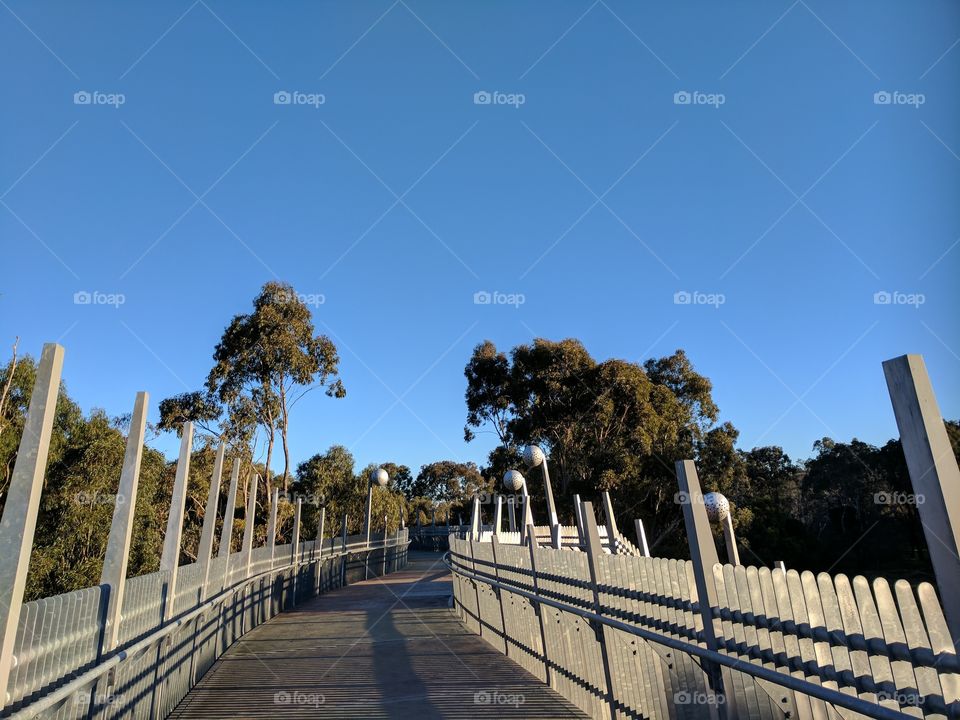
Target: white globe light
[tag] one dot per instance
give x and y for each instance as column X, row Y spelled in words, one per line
column 513, row 480
column 717, row 507
column 379, row 477
column 533, row 456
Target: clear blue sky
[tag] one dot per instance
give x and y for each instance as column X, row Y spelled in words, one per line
column 795, row 196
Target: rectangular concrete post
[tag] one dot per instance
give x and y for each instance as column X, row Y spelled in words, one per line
column 272, row 525
column 319, row 547
column 641, row 537
column 498, row 517
column 210, row 519
column 594, row 550
column 384, row 571
column 511, row 513
column 114, row 571
column 730, row 540
column 367, row 519
column 226, row 532
column 551, row 505
column 933, row 473
column 170, row 559
column 556, row 537
column 538, row 609
column 295, row 540
column 343, row 558
column 703, row 553
column 612, row 532
column 249, row 519
column 578, row 516
column 19, row 520
column 475, row 526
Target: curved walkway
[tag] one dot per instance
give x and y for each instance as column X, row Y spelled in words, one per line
column 384, row 648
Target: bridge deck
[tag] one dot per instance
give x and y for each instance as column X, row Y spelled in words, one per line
column 385, row 648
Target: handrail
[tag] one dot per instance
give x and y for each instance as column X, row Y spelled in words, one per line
column 834, row 697
column 61, row 694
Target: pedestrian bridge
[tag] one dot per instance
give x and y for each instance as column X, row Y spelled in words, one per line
column 521, row 621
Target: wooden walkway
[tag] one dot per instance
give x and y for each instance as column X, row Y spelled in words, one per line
column 385, row 648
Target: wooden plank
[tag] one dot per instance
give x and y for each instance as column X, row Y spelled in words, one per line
column 833, row 622
column 746, row 702
column 928, row 684
column 781, row 595
column 873, row 632
column 940, row 639
column 896, row 640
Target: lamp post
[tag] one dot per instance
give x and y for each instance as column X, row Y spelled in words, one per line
column 718, row 511
column 533, row 456
column 514, row 481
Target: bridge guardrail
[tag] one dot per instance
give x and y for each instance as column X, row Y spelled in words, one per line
column 630, row 643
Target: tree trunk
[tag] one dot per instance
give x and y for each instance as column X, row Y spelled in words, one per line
column 283, row 437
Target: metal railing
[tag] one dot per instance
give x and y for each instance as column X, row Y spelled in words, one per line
column 623, row 636
column 133, row 647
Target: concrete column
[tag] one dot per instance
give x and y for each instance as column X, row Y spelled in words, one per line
column 248, row 523
column 295, row 540
column 551, row 506
column 703, row 553
column 578, row 516
column 170, row 559
column 22, row 505
column 612, row 532
column 272, row 524
column 497, row 517
column 226, row 532
column 594, row 550
column 475, row 526
column 114, row 573
column 367, row 517
column 733, row 557
column 210, row 519
column 933, row 473
column 511, row 514
column 641, row 537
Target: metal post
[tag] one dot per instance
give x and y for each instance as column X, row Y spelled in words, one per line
column 248, row 522
column 343, row 557
column 226, row 532
column 367, row 517
column 23, row 503
column 612, row 532
column 933, row 473
column 272, row 524
column 641, row 537
column 114, row 571
column 319, row 547
column 498, row 517
column 733, row 557
column 170, row 559
column 594, row 550
column 703, row 553
column 475, row 527
column 210, row 519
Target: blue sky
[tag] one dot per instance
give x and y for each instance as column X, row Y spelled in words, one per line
column 781, row 198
